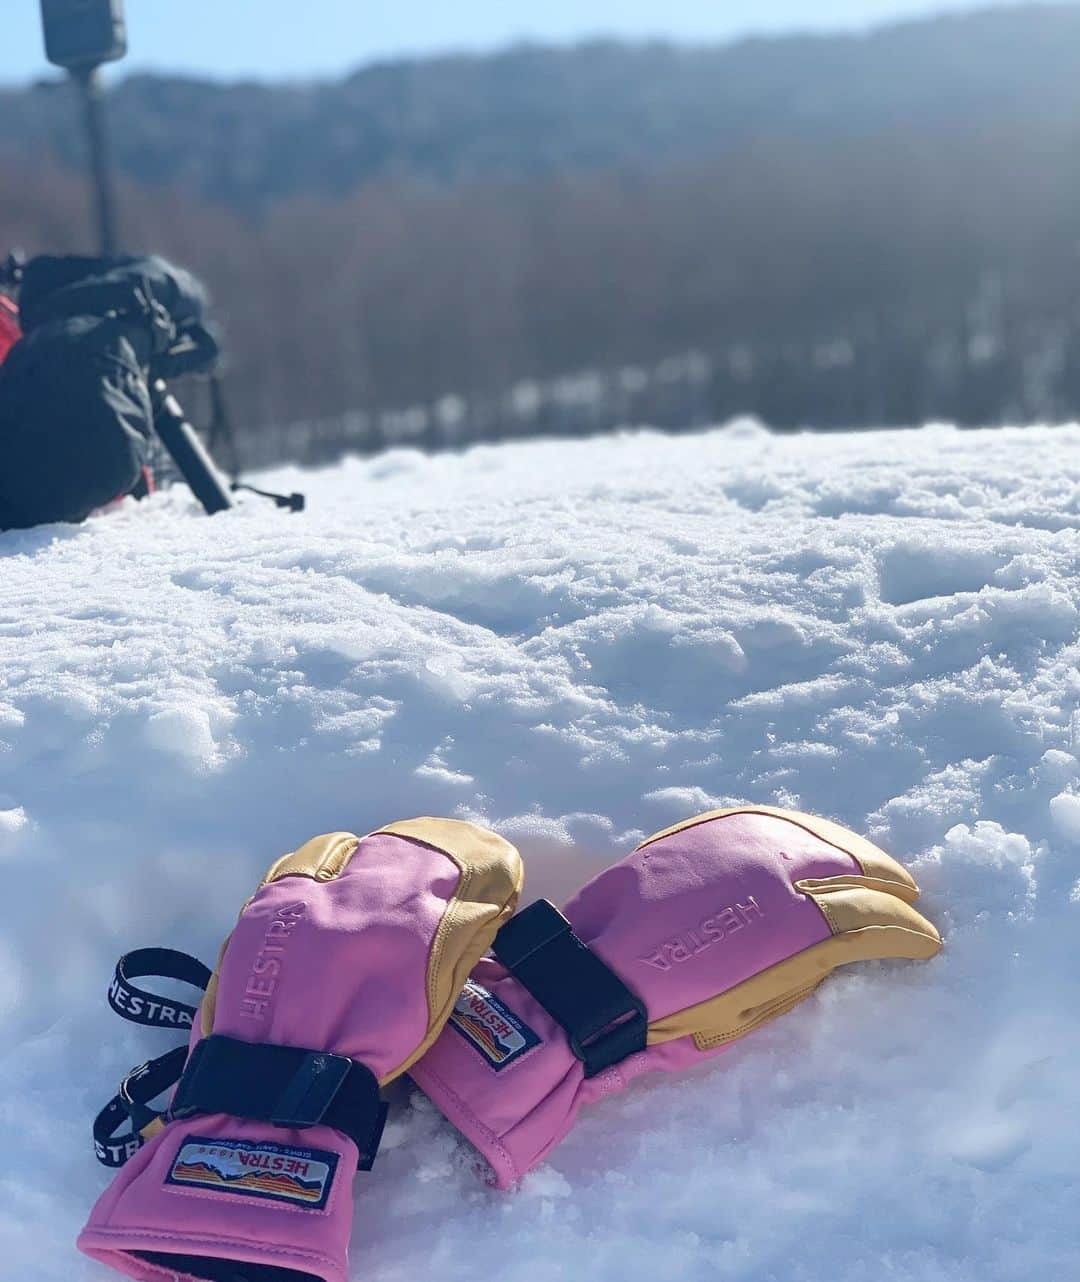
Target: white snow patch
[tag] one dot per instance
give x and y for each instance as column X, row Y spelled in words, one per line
column 183, row 731
column 1065, row 812
column 581, row 643
column 11, row 821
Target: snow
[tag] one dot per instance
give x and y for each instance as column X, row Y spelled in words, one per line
column 581, row 643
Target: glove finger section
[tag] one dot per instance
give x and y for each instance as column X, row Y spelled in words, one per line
column 869, row 860
column 713, row 902
column 865, row 924
column 372, row 924
column 491, row 877
column 322, row 858
column 878, row 869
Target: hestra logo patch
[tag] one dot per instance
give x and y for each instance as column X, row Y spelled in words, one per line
column 495, row 1032
column 277, row 1172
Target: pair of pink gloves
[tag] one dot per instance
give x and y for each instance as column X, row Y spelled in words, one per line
column 358, row 959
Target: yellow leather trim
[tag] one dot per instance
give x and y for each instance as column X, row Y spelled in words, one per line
column 866, row 923
column 874, row 862
column 322, row 858
column 853, row 879
column 208, row 1005
column 487, row 893
column 851, row 905
column 151, row 1128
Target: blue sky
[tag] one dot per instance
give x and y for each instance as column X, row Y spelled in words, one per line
column 281, row 38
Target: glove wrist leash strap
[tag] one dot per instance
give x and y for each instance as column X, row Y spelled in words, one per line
column 138, row 1006
column 130, row 1001
column 603, row 1018
column 285, row 1086
column 132, row 1105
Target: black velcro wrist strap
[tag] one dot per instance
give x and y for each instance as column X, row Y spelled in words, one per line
column 135, row 1004
column 604, row 1019
column 285, row 1086
column 132, row 1105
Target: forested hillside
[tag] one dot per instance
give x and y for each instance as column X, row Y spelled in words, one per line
column 835, row 229
column 533, row 110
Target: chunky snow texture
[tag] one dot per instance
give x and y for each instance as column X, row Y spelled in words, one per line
column 579, row 644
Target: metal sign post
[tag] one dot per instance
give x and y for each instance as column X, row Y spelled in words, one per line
column 89, row 82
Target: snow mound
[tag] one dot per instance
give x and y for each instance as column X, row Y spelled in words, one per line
column 580, row 643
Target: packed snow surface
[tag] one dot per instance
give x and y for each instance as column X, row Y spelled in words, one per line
column 580, row 643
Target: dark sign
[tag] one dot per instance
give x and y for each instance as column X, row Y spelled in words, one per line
column 82, row 33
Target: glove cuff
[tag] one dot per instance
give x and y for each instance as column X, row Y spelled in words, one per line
column 460, row 1113
column 214, row 1189
column 504, row 1074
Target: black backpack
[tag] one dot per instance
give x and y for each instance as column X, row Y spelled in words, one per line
column 75, row 406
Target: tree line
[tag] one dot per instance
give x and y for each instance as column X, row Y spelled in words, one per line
column 889, row 275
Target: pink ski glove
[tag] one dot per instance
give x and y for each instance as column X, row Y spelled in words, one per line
column 341, row 971
column 705, row 932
